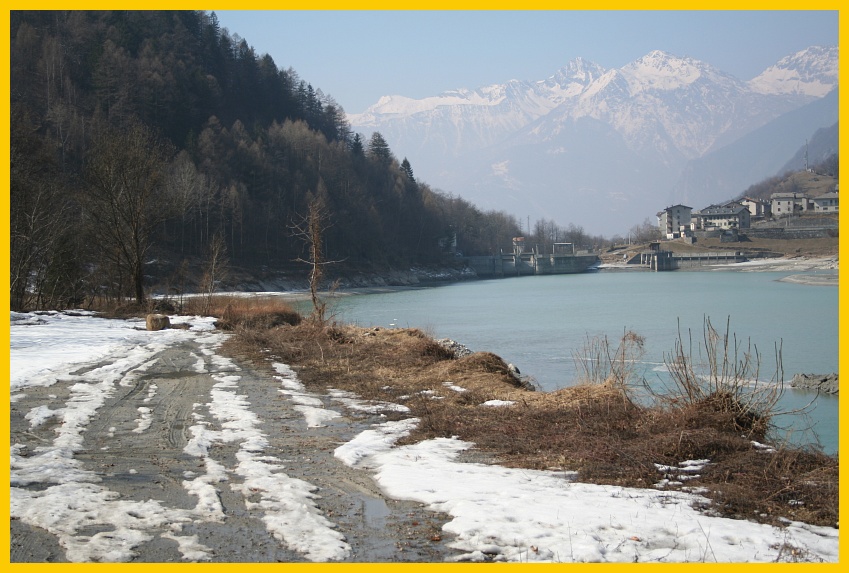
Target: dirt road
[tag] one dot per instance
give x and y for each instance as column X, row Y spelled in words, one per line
column 185, row 457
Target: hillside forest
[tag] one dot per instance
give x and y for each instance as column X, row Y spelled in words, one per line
column 151, row 142
column 147, row 147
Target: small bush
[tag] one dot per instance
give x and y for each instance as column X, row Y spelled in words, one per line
column 724, row 375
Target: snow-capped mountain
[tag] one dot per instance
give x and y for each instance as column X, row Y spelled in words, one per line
column 598, row 147
column 679, row 106
column 462, row 121
column 811, row 72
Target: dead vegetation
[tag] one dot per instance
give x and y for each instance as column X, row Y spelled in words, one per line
column 237, row 313
column 597, row 428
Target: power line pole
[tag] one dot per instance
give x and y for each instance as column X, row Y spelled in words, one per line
column 806, row 156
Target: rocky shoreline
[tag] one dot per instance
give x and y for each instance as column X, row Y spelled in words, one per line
column 353, row 281
column 825, row 383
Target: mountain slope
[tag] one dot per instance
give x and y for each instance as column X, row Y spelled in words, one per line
column 823, row 144
column 757, row 155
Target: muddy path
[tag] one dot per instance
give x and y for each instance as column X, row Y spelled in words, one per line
column 183, row 457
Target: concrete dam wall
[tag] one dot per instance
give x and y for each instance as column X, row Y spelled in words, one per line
column 529, row 264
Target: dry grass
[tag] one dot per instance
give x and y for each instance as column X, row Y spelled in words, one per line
column 594, row 429
column 243, row 312
column 234, row 313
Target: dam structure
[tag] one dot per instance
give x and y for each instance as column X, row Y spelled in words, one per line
column 563, row 259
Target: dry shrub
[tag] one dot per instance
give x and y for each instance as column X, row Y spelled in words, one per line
column 429, row 349
column 581, row 394
column 724, row 410
column 723, row 374
column 598, row 362
column 484, row 362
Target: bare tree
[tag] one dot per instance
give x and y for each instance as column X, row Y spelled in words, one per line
column 188, row 189
column 125, row 196
column 215, row 271
column 39, row 218
column 310, row 229
column 645, row 232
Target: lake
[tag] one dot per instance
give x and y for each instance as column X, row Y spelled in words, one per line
column 540, row 323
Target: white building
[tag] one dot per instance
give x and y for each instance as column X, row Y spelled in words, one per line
column 784, row 204
column 826, row 203
column 730, row 216
column 674, row 220
column 758, row 208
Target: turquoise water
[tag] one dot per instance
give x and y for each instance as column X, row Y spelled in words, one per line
column 540, row 323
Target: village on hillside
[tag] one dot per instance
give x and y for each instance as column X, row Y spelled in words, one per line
column 783, row 210
column 799, row 217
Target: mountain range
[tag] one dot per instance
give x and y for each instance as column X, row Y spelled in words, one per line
column 606, row 148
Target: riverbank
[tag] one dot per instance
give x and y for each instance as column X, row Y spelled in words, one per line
column 815, row 271
column 321, row 442
column 155, row 447
column 594, row 430
column 350, row 280
column 784, row 264
column 821, row 271
column 813, row 280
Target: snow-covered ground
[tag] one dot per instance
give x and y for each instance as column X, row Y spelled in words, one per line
column 496, row 513
column 782, row 264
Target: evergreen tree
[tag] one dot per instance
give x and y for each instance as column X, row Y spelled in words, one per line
column 106, row 94
column 378, row 149
column 408, row 170
column 357, row 149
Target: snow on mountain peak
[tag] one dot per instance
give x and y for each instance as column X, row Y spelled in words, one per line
column 578, row 69
column 572, row 79
column 659, row 70
column 812, row 72
column 398, row 105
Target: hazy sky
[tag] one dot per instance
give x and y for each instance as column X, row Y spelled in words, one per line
column 359, row 56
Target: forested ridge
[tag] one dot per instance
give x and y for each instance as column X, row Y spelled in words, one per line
column 150, row 135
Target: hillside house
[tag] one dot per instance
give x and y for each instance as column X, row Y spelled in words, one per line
column 758, row 208
column 826, row 203
column 674, row 220
column 784, row 204
column 728, row 216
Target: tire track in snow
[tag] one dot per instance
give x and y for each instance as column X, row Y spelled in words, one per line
column 97, row 473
